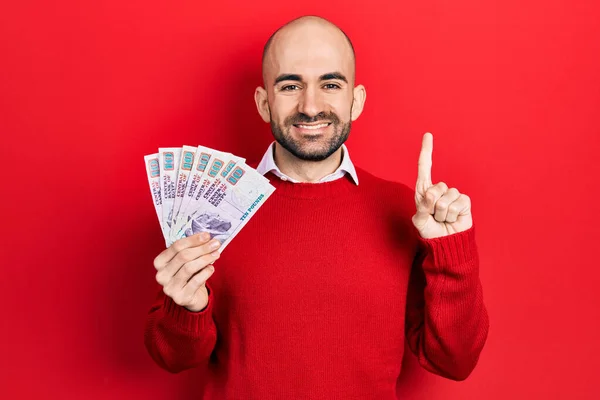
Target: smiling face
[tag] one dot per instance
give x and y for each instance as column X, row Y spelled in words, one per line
column 309, row 96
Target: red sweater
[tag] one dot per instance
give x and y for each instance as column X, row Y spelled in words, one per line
column 315, row 297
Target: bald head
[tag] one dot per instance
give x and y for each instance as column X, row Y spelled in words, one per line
column 309, row 96
column 306, row 34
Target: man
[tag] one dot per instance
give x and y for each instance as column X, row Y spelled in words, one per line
column 315, row 297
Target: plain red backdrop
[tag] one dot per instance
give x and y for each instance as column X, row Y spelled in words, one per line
column 510, row 90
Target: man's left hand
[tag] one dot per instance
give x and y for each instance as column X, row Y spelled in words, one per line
column 441, row 211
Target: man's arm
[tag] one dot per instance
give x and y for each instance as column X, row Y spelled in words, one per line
column 446, row 321
column 176, row 338
column 180, row 331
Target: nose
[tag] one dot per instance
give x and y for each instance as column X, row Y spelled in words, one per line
column 311, row 102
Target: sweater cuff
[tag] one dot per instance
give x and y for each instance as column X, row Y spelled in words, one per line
column 189, row 321
column 458, row 249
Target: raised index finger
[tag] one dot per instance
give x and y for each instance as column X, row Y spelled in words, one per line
column 192, row 241
column 425, row 158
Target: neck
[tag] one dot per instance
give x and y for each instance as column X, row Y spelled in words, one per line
column 306, row 171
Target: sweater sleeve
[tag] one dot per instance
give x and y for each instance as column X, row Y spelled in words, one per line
column 446, row 321
column 178, row 339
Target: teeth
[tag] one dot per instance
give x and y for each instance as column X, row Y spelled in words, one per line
column 313, row 126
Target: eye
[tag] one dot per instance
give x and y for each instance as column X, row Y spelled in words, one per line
column 289, row 88
column 332, row 86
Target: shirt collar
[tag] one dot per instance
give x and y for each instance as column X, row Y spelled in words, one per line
column 267, row 164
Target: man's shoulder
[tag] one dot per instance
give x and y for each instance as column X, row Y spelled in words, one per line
column 395, row 199
column 373, row 181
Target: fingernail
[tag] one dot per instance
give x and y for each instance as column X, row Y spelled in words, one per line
column 216, row 254
column 204, row 236
column 214, row 244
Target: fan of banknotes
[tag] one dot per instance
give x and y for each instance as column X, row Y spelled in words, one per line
column 199, row 189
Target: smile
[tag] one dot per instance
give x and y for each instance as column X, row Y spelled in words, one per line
column 313, row 127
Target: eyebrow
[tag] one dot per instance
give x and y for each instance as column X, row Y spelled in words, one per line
column 333, row 75
column 298, row 78
column 288, row 77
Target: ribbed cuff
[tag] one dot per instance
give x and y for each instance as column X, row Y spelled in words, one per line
column 456, row 250
column 186, row 320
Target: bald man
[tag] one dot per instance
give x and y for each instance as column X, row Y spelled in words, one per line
column 320, row 291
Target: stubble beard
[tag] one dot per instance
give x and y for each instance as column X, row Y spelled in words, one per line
column 296, row 147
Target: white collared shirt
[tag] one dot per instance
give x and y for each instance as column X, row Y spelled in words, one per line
column 267, row 164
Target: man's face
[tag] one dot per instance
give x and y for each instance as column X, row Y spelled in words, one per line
column 309, row 79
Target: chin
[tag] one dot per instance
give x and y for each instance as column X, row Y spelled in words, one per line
column 314, row 143
column 312, row 149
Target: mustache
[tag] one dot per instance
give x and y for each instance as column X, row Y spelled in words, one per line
column 303, row 118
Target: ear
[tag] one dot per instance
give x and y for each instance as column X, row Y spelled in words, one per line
column 360, row 96
column 262, row 103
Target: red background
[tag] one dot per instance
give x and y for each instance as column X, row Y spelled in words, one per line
column 510, row 90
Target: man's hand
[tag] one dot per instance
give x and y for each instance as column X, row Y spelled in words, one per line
column 440, row 211
column 184, row 267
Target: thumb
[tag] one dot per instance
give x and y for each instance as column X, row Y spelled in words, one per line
column 423, row 211
column 420, row 219
column 424, row 203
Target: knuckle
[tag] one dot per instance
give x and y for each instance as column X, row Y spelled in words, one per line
column 182, row 298
column 206, row 249
column 160, row 278
column 211, row 271
column 175, row 295
column 177, row 299
column 177, row 246
column 434, row 190
column 186, row 255
column 208, row 271
column 210, row 258
column 179, row 259
column 189, row 269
